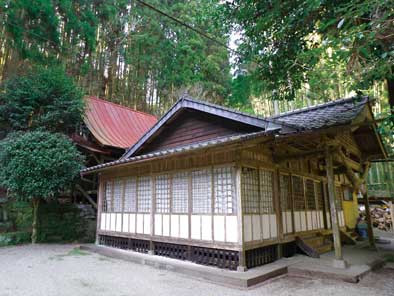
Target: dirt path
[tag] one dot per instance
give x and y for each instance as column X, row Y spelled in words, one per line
column 62, row 270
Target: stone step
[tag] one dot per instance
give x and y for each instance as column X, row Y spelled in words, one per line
column 314, row 241
column 327, row 247
column 348, row 238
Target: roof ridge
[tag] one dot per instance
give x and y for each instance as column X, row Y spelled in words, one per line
column 120, row 106
column 318, row 106
column 190, row 98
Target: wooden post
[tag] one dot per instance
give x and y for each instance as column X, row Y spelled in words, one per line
column 338, row 262
column 278, row 210
column 242, row 260
column 100, row 197
column 391, row 206
column 152, row 215
column 371, row 238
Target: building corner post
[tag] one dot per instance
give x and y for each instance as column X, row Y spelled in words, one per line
column 241, row 254
column 339, row 262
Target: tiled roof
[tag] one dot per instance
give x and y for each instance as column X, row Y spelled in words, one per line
column 335, row 113
column 115, row 125
column 325, row 115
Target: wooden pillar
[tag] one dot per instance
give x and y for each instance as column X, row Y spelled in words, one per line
column 391, row 205
column 338, row 262
column 152, row 215
column 278, row 210
column 100, row 197
column 241, row 240
column 371, row 238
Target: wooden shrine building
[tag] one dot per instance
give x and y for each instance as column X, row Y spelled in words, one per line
column 225, row 188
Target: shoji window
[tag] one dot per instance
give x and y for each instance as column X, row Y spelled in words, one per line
column 144, row 194
column 162, row 187
column 298, row 193
column 118, row 183
column 319, row 195
column 285, row 196
column 180, row 193
column 310, row 194
column 266, row 191
column 250, row 191
column 107, row 201
column 224, row 197
column 202, row 191
column 130, row 197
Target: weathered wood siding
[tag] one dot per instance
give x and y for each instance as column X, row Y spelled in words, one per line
column 192, row 127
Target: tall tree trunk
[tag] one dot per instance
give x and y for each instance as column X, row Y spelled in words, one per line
column 36, row 202
column 390, row 90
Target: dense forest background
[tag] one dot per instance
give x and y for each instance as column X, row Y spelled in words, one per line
column 283, row 55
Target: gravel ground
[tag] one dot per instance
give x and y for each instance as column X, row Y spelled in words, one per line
column 62, row 270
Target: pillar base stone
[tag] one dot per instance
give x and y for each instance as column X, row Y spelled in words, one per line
column 242, row 268
column 340, row 263
column 151, row 252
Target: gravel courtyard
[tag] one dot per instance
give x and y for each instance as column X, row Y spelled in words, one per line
column 63, row 270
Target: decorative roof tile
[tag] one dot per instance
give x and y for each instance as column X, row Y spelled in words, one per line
column 325, row 115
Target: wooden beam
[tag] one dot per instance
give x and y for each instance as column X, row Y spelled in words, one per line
column 293, row 156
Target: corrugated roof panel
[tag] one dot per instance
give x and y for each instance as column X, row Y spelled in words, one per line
column 115, row 125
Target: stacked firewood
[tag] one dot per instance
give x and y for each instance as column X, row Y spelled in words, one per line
column 381, row 218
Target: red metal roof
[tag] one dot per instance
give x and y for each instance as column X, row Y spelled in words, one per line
column 115, row 125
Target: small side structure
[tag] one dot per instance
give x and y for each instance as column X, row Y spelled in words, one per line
column 107, row 132
column 224, row 188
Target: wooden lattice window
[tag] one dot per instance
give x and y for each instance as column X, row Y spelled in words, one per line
column 298, row 193
column 180, row 193
column 202, row 191
column 310, row 194
column 250, row 191
column 338, row 197
column 319, row 195
column 130, row 198
column 118, row 184
column 107, row 200
column 266, row 191
column 144, row 194
column 285, row 196
column 224, row 198
column 162, row 187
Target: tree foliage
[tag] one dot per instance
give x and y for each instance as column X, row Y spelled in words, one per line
column 119, row 49
column 45, row 98
column 285, row 42
column 38, row 164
